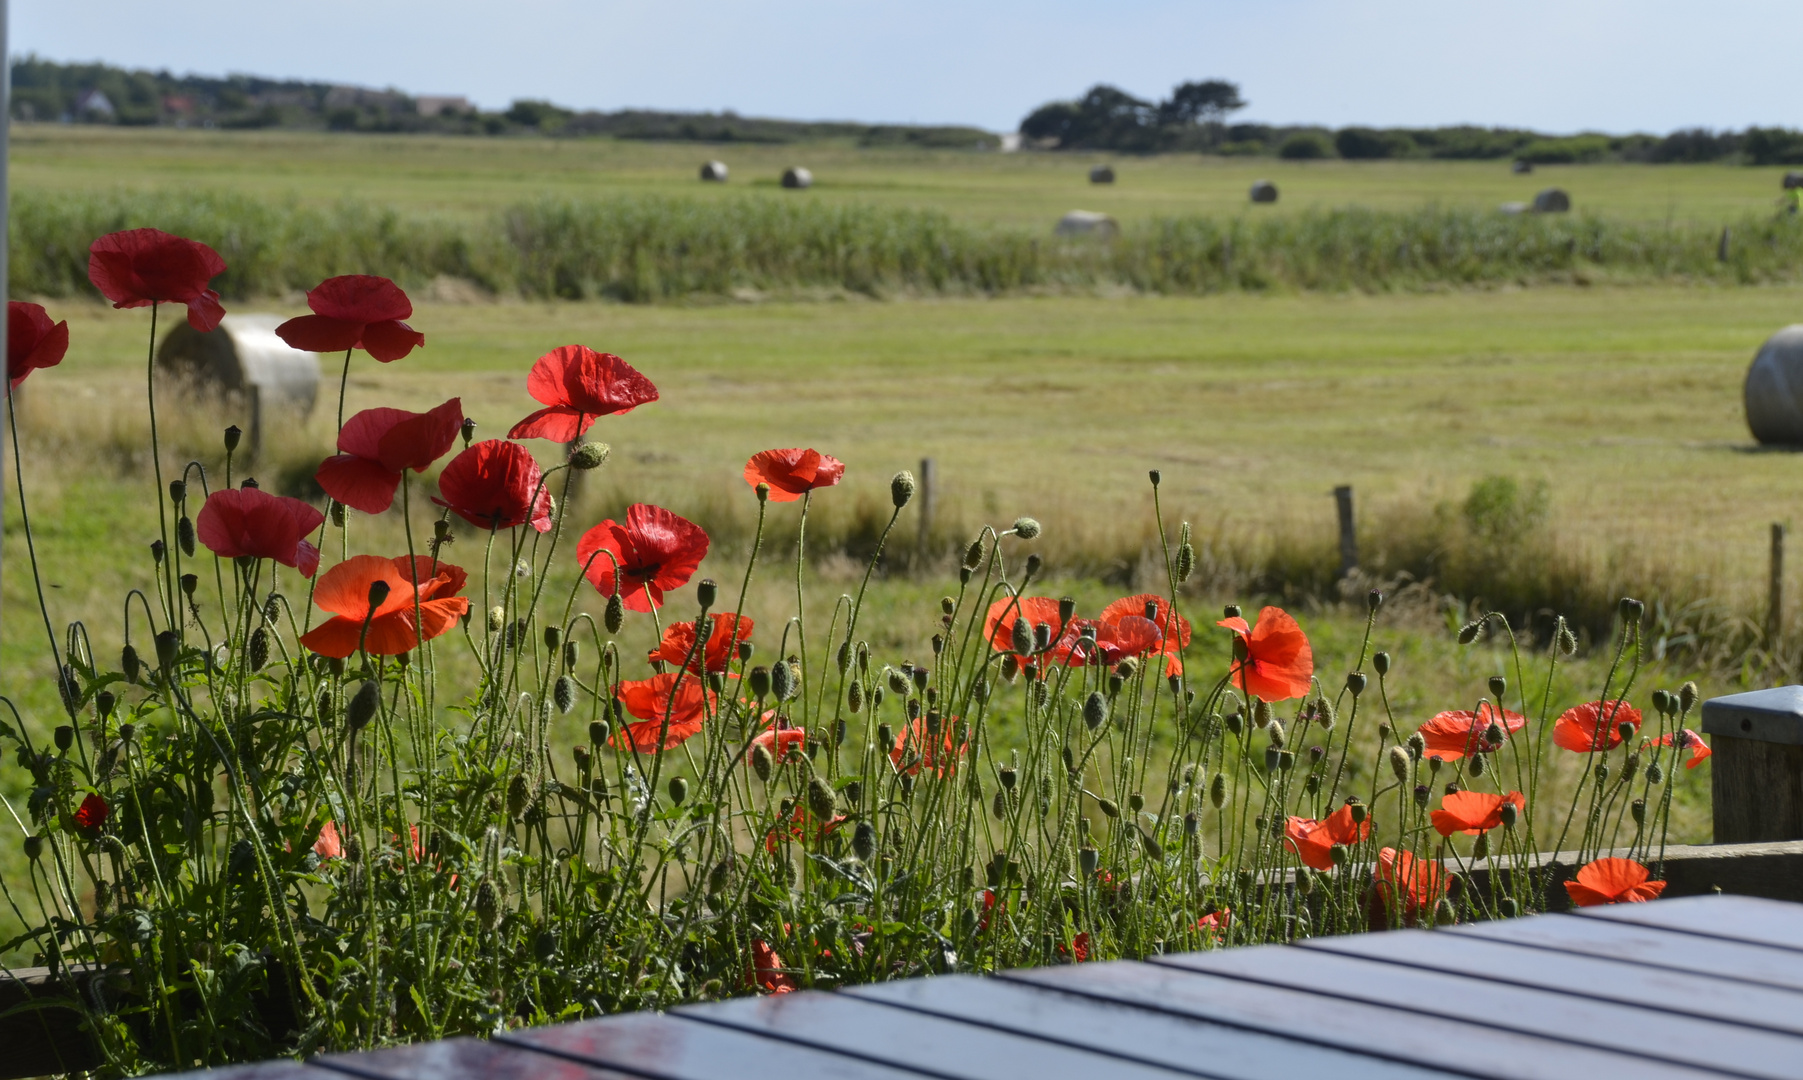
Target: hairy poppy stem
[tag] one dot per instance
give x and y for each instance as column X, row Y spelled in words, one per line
column 344, row 382
column 156, row 466
column 31, row 550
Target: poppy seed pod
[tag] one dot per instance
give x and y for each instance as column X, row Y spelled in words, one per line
column 1357, row 810
column 1088, row 859
column 1042, row 637
column 103, row 704
column 863, row 841
column 34, row 848
column 1095, row 710
column 1007, row 775
column 885, row 735
column 1662, row 702
column 1380, row 662
column 1026, row 528
column 1499, row 686
column 1468, row 633
column 1234, row 724
column 679, row 790
column 468, row 430
column 1136, row 802
column 1631, row 609
column 233, row 435
column 363, row 704
column 589, row 455
column 1687, row 697
column 1231, row 611
column 1399, row 763
column 1273, row 758
column 1355, row 682
column 1638, row 809
column 189, row 583
column 157, row 551
column 901, row 488
column 563, row 693
column 706, row 593
column 378, row 592
column 1067, row 607
column 1374, row 600
column 1423, row 794
column 184, row 535
column 169, row 645
column 65, row 737
column 1625, row 730
column 1154, row 475
column 1433, row 765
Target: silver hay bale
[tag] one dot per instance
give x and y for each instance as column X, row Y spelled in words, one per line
column 1774, row 392
column 1088, row 223
column 1263, row 191
column 1552, row 201
column 797, row 177
column 714, row 171
column 243, row 356
column 1102, row 174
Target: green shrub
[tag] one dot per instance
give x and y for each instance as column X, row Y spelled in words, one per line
column 1307, row 146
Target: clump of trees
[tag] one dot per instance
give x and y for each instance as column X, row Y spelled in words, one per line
column 1195, row 116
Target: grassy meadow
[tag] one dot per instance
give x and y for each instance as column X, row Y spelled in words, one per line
column 466, row 178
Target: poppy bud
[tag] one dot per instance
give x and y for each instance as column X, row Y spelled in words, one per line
column 1087, row 861
column 157, row 550
column 760, row 761
column 1324, row 714
column 184, row 534
column 1274, row 731
column 1261, row 712
column 854, row 792
column 1631, row 609
column 1108, row 808
column 1021, row 637
column 1638, row 809
column 563, row 692
column 1355, row 682
column 1687, row 697
column 34, row 848
column 1186, row 562
column 1192, row 823
column 1399, row 763
column 1654, row 774
column 130, row 664
column 973, row 555
column 1564, row 641
column 1422, row 793
column 1095, row 710
column 169, row 646
column 679, row 790
column 1234, row 724
column 1662, row 702
column 1034, row 562
column 1602, row 774
column 998, row 806
column 782, row 680
column 1026, row 528
column 363, row 704
column 103, row 704
column 854, row 697
column 518, row 795
column 497, row 616
column 1154, row 850
column 589, row 455
column 468, row 429
column 1468, row 633
column 863, row 841
column 1273, row 759
column 1417, row 745
column 901, row 488
column 597, row 732
column 1477, row 766
column 1381, row 664
column 327, row 706
column 1374, row 600
column 65, row 738
column 257, row 652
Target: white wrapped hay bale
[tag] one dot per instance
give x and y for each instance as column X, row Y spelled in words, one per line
column 1088, row 223
column 714, row 172
column 241, row 356
column 1774, row 391
column 797, row 177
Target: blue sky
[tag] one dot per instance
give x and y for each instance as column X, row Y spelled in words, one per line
column 1555, row 65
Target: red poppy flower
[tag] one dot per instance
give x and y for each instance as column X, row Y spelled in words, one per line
column 998, row 626
column 656, row 551
column 777, row 736
column 344, row 591
column 797, row 828
column 1418, row 883
column 245, row 521
column 1594, row 725
column 1079, row 948
column 793, row 473
column 650, row 699
column 329, row 845
column 495, row 485
column 356, row 311
column 722, row 643
column 579, row 385
column 1452, row 735
column 377, row 445
column 1215, row 923
column 32, row 340
column 1313, row 841
column 141, row 267
column 1699, row 750
column 1279, row 662
column 1613, row 881
column 92, row 813
column 1473, row 812
column 915, row 748
column 767, row 974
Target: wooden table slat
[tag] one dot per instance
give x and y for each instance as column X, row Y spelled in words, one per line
column 263, row 1070
column 1770, row 923
column 456, row 1058
column 1194, row 1046
column 1546, row 1014
column 1369, row 1027
column 1645, row 945
column 1620, row 981
column 675, row 1048
column 946, row 1048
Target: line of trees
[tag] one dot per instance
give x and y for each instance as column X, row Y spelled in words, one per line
column 1195, row 115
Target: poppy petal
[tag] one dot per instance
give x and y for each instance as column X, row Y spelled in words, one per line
column 358, row 483
column 557, row 423
column 205, row 311
column 335, row 638
column 359, row 298
column 390, row 340
column 317, row 333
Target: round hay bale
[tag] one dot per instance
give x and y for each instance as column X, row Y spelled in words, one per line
column 241, row 355
column 1263, row 191
column 714, row 171
column 1102, row 174
column 1088, row 223
column 1793, row 179
column 1552, row 201
column 1521, row 167
column 797, row 177
column 1774, row 390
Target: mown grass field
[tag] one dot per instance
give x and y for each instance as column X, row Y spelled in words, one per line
column 469, row 177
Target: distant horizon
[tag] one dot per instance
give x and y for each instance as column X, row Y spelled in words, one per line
column 1558, row 68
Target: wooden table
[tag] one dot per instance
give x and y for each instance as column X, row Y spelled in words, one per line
column 1707, row 986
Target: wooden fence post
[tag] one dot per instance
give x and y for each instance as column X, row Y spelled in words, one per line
column 1774, row 608
column 1349, row 541
column 1721, row 248
column 254, row 395
column 928, row 491
column 1757, row 768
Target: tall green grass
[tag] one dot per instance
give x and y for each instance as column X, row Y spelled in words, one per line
column 642, row 249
